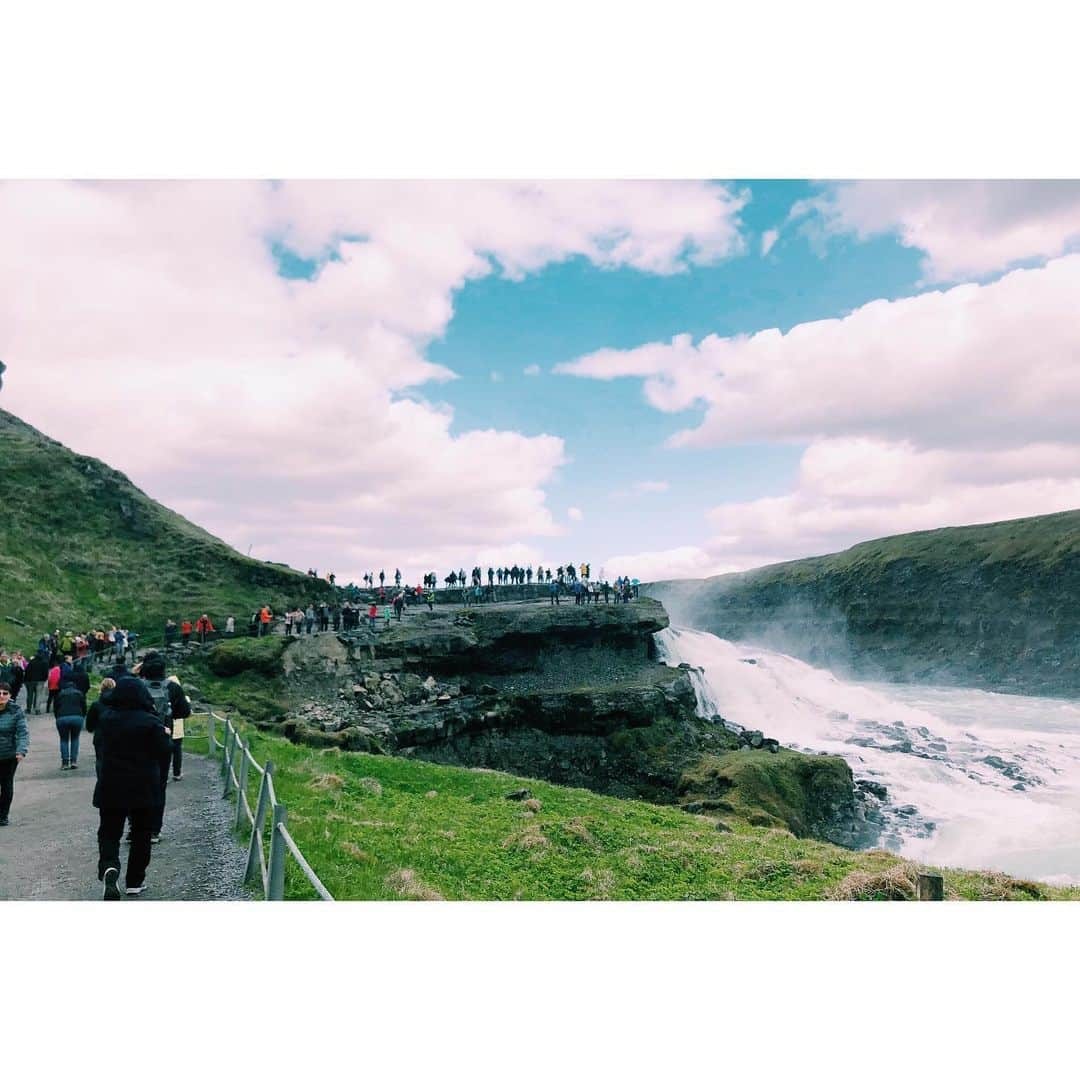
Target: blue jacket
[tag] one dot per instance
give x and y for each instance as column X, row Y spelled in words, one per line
column 14, row 734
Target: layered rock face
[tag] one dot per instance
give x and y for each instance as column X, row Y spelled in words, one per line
column 572, row 694
column 994, row 606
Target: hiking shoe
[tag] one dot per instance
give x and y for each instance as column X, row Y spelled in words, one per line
column 178, row 776
column 156, row 838
column 73, row 765
column 4, row 821
column 64, row 766
column 112, row 888
column 136, row 890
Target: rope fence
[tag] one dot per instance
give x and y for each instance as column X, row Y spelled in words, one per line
column 265, row 860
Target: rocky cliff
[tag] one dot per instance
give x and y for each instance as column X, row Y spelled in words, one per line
column 572, row 694
column 994, row 606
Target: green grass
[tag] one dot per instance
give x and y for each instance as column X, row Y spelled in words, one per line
column 81, row 547
column 381, row 828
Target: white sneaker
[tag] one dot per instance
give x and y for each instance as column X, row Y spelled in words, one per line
column 136, row 890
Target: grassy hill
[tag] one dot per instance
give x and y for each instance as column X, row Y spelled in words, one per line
column 983, row 605
column 386, row 828
column 81, row 546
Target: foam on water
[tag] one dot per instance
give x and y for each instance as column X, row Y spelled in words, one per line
column 974, row 779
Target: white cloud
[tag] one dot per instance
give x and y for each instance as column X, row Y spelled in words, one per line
column 680, row 562
column 768, row 238
column 532, row 369
column 574, row 514
column 968, row 228
column 946, row 408
column 496, row 376
column 291, row 409
column 978, row 364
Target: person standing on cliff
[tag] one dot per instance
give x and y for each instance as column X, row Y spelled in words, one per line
column 553, row 590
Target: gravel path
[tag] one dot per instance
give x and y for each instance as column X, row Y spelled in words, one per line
column 49, row 852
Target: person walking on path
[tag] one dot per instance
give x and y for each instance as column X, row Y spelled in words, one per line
column 134, row 743
column 553, row 590
column 178, row 738
column 185, row 631
column 171, row 705
column 203, row 626
column 309, row 619
column 93, row 719
column 37, row 673
column 70, row 711
column 265, row 615
column 53, row 681
column 14, row 746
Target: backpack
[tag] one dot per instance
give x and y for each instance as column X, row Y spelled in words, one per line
column 159, row 691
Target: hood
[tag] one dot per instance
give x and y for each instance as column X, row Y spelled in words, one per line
column 131, row 693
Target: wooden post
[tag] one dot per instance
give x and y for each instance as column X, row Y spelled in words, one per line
column 230, row 748
column 241, row 782
column 276, row 889
column 253, row 864
column 931, row 887
column 210, row 734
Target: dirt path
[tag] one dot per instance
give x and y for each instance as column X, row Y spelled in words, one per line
column 49, row 852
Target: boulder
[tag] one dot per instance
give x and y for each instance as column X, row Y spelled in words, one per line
column 519, row 795
column 872, row 787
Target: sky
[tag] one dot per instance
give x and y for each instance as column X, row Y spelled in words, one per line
column 661, row 378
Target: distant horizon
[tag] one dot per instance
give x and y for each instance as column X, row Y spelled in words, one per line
column 667, row 379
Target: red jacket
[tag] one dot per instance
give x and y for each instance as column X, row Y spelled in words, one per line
column 185, row 627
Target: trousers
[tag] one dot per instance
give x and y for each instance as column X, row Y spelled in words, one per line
column 7, row 785
column 110, row 831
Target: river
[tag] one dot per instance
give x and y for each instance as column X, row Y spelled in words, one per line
column 973, row 779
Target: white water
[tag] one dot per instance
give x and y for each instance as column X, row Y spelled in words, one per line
column 946, row 804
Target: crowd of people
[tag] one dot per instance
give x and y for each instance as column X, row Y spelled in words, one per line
column 137, row 724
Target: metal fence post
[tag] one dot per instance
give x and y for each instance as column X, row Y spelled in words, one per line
column 210, row 734
column 255, row 845
column 276, row 889
column 241, row 782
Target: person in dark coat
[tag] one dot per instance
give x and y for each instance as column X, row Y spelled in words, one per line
column 69, row 708
column 93, row 718
column 133, row 743
column 14, row 746
column 37, row 672
column 171, row 703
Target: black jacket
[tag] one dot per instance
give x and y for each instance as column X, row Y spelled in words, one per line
column 70, row 701
column 38, row 668
column 81, row 680
column 93, row 719
column 132, row 743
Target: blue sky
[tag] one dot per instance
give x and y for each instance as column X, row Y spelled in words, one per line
column 612, row 436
